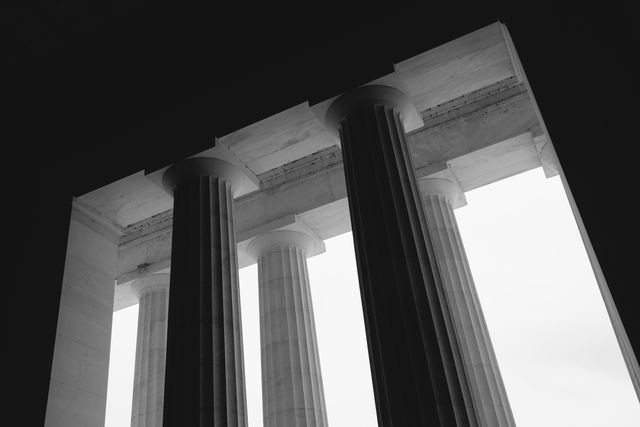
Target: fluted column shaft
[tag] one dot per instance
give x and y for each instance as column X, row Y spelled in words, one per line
column 489, row 395
column 417, row 370
column 151, row 347
column 204, row 383
column 292, row 392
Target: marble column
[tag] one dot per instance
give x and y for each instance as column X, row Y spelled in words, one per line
column 204, row 382
column 151, row 347
column 416, row 365
column 292, row 392
column 481, row 367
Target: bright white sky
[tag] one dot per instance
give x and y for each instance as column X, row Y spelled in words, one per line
column 555, row 346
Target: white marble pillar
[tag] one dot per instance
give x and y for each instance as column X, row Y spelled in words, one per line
column 488, row 392
column 151, row 348
column 292, row 391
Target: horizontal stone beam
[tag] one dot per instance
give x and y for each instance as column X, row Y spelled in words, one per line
column 471, row 132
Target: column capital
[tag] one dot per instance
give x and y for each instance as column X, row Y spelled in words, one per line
column 367, row 95
column 443, row 187
column 153, row 282
column 202, row 166
column 266, row 241
column 255, row 241
column 548, row 157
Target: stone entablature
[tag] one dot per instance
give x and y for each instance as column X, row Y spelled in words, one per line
column 475, row 118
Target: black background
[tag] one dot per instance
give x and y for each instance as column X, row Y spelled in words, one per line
column 96, row 91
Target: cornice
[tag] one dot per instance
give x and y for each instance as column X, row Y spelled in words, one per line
column 147, row 227
column 94, row 219
column 493, row 96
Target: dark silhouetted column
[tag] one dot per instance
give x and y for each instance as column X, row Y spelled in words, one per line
column 418, row 376
column 204, row 384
